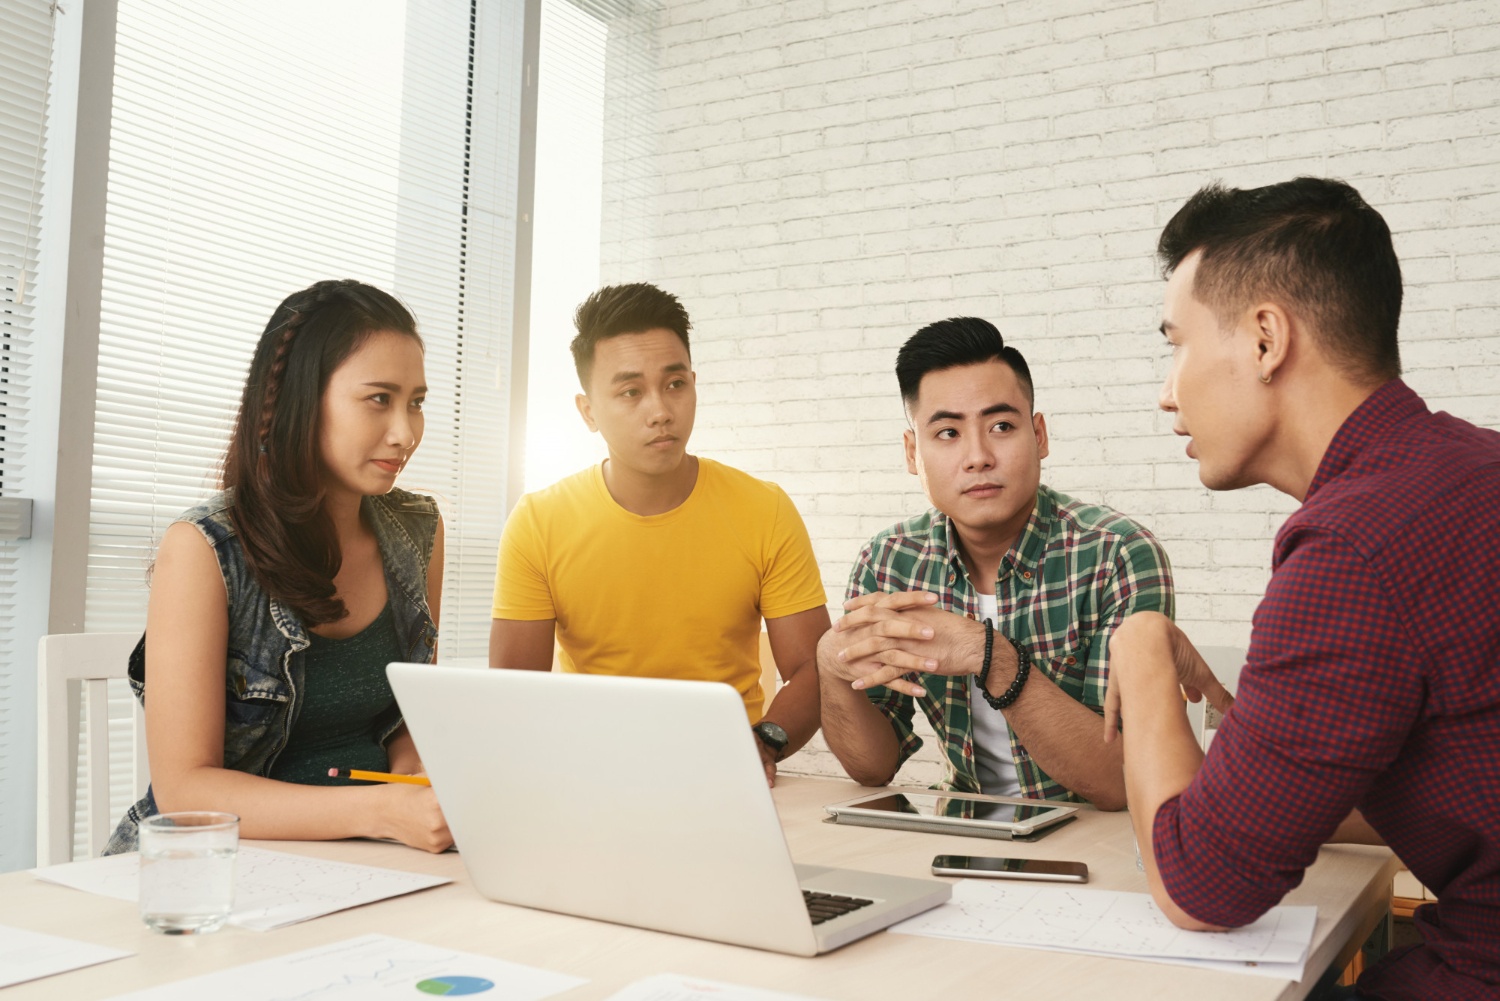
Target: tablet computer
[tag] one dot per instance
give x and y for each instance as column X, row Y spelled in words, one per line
column 973, row 814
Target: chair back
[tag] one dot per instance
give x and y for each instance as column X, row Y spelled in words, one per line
column 1225, row 662
column 91, row 660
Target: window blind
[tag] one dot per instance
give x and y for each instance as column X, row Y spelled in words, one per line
column 26, row 54
column 565, row 241
column 259, row 147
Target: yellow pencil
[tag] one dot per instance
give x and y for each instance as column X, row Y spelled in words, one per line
column 355, row 773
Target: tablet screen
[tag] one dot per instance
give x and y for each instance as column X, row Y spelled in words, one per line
column 955, row 808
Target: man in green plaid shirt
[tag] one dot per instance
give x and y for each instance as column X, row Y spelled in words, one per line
column 1053, row 577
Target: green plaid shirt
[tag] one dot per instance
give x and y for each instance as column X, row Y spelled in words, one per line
column 1074, row 574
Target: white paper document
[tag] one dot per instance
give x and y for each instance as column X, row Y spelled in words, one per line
column 271, row 889
column 673, row 987
column 29, row 955
column 1111, row 923
column 371, row 966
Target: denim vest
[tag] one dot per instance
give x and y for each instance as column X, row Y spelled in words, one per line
column 263, row 687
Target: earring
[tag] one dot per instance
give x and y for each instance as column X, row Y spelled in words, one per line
column 1265, row 378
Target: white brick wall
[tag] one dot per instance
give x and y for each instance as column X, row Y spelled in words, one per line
column 819, row 178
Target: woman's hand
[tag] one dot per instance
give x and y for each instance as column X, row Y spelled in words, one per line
column 411, row 815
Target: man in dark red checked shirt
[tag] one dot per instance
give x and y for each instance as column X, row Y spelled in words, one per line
column 1369, row 708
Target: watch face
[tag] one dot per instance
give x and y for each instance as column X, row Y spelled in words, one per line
column 773, row 736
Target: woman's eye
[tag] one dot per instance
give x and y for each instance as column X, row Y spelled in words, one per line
column 417, row 404
column 381, row 398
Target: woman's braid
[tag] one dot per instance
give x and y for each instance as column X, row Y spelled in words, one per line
column 273, row 380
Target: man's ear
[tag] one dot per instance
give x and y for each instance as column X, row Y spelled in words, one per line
column 586, row 411
column 909, row 442
column 1039, row 427
column 1273, row 328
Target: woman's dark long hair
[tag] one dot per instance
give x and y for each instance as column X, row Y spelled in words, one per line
column 273, row 465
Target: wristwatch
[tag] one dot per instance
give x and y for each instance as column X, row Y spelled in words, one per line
column 772, row 736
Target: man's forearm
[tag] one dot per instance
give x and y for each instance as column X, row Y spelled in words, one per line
column 858, row 734
column 795, row 708
column 1062, row 737
column 1161, row 756
column 1060, row 734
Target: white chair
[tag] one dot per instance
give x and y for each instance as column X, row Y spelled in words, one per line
column 91, row 659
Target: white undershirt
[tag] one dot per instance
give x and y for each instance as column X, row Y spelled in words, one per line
column 992, row 756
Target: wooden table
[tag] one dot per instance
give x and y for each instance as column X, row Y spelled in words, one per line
column 1351, row 887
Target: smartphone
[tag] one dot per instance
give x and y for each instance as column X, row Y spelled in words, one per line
column 1010, row 868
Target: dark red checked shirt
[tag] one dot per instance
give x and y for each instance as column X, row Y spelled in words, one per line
column 1372, row 681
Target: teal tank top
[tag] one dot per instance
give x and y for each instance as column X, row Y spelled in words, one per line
column 347, row 705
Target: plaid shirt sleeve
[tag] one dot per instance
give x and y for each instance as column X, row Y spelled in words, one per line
column 1332, row 685
column 1140, row 581
column 898, row 709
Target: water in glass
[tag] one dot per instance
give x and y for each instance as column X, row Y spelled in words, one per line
column 187, row 871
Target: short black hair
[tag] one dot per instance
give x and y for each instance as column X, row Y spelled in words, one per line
column 1313, row 242
column 624, row 309
column 959, row 340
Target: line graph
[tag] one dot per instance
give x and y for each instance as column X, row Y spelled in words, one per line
column 272, row 889
column 1107, row 922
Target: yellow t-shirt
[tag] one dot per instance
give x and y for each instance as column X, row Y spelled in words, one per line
column 674, row 595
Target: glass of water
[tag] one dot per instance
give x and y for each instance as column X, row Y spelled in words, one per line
column 187, row 871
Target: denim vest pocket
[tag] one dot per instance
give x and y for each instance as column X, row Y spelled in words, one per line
column 424, row 643
column 254, row 703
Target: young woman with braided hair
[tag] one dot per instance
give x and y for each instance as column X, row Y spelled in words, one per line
column 276, row 605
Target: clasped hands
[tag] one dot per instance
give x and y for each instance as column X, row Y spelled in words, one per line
column 884, row 636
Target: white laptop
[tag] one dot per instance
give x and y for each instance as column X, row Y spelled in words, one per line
column 633, row 800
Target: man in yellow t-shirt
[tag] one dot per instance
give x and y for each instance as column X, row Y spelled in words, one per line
column 658, row 563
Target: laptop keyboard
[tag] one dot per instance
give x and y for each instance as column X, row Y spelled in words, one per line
column 826, row 906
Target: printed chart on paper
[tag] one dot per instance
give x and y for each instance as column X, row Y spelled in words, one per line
column 1106, row 922
column 371, row 966
column 271, row 889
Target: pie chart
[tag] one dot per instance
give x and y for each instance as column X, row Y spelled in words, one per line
column 453, row 987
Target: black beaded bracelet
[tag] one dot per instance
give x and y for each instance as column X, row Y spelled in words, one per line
column 989, row 650
column 1023, row 669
